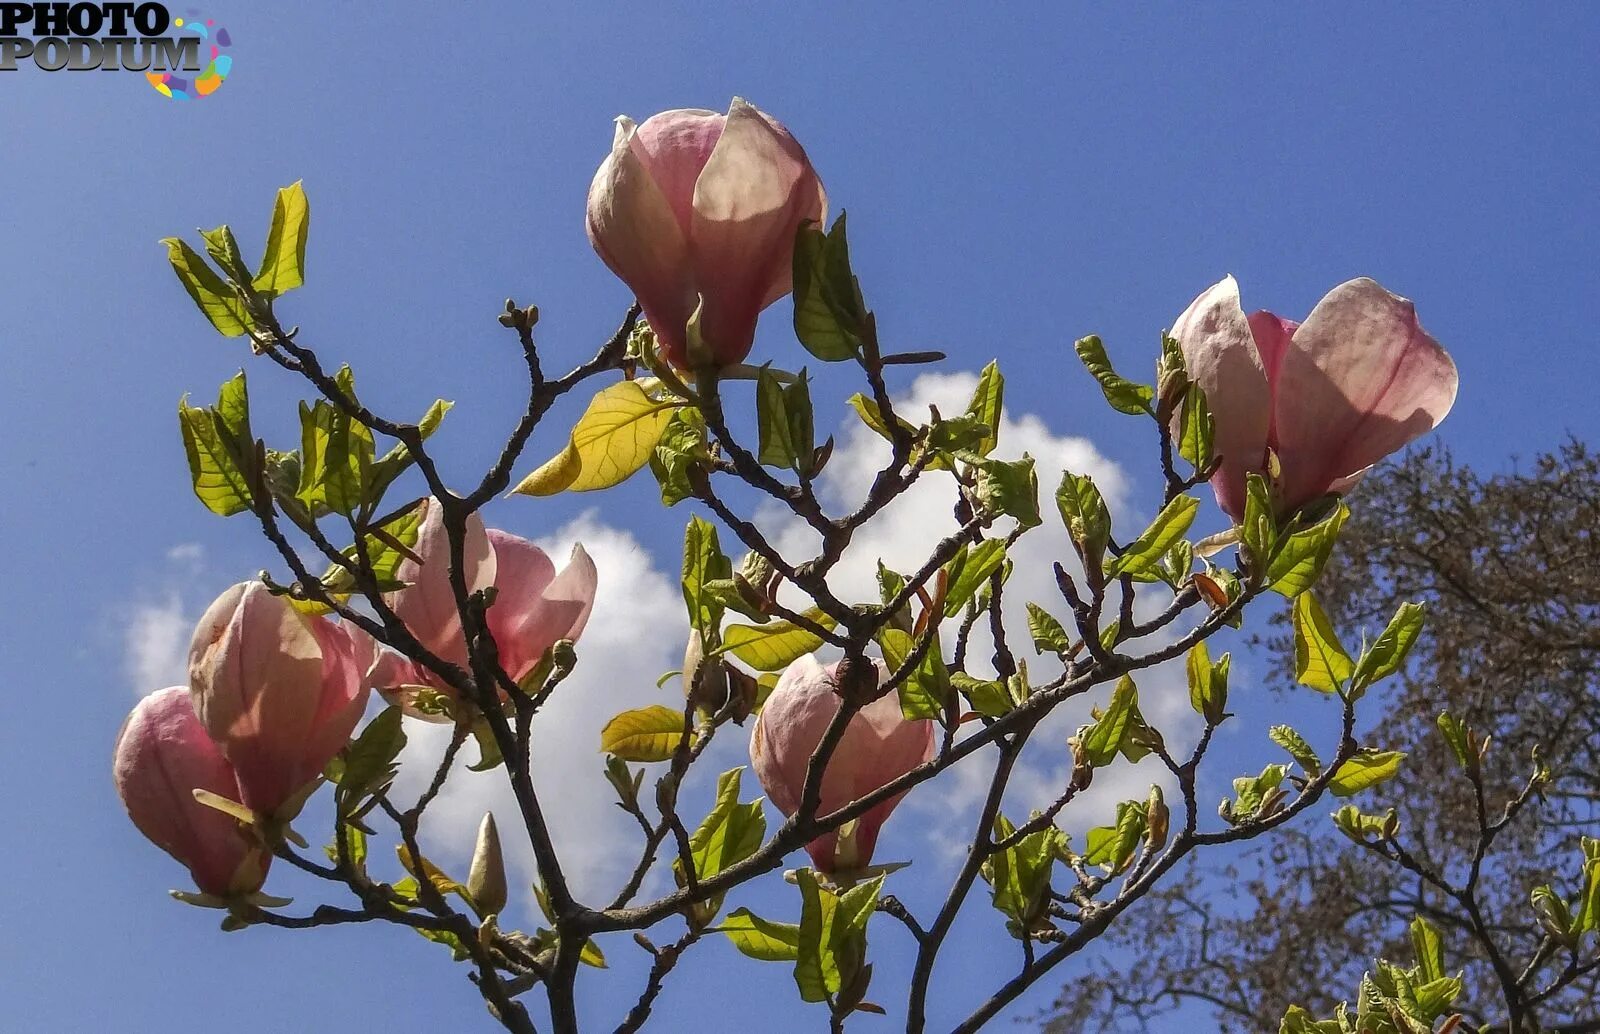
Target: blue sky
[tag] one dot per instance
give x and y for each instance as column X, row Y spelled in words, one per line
column 1014, row 179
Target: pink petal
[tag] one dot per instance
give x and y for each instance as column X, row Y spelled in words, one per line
column 427, row 604
column 1272, row 334
column 755, row 191
column 534, row 607
column 1222, row 357
column 632, row 227
column 162, row 755
column 1360, row 380
column 674, row 147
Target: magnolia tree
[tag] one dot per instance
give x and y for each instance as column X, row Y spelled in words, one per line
column 393, row 584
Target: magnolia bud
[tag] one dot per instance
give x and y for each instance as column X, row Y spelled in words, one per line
column 879, row 745
column 705, row 680
column 486, row 881
column 697, row 213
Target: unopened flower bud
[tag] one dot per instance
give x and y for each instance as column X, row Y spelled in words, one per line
column 879, row 745
column 486, row 880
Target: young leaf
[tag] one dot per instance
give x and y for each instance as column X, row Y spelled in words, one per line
column 1197, row 428
column 830, row 318
column 925, row 689
column 336, row 458
column 703, row 563
column 1020, row 875
column 1320, row 662
column 1114, row 846
column 217, row 443
column 969, row 571
column 1124, row 395
column 985, row 407
column 1384, row 657
column 643, row 734
column 1088, row 521
column 1425, row 943
column 1291, row 741
column 1258, row 532
column 395, row 462
column 680, row 451
column 1366, row 768
column 1208, row 684
column 777, row 447
column 760, row 938
column 775, row 645
column 1104, row 738
column 731, row 833
column 1146, row 551
column 1005, row 488
column 1047, row 632
column 1300, row 560
column 612, row 440
column 284, row 262
column 987, row 697
column 217, row 301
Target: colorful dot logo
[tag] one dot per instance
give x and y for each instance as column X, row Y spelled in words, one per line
column 213, row 37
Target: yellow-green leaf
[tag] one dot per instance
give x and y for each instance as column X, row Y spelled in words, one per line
column 643, row 734
column 1366, row 768
column 775, row 645
column 284, row 262
column 612, row 440
column 218, row 302
column 1320, row 662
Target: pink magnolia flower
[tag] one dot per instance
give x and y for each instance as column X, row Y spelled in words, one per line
column 698, row 210
column 533, row 608
column 879, row 745
column 162, row 755
column 1358, row 380
column 278, row 690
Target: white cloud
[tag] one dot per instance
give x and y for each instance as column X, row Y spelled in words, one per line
column 156, row 631
column 905, row 535
column 634, row 634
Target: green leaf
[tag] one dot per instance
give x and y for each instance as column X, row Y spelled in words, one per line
column 775, row 645
column 703, row 563
column 393, row 463
column 1588, row 915
column 336, row 455
column 1019, row 876
column 969, row 570
column 1197, row 428
column 616, row 436
column 1461, row 740
column 1363, row 828
column 1048, row 633
column 283, row 264
column 985, row 407
column 1300, row 560
column 1258, row 532
column 1104, row 738
column 1124, row 395
column 217, row 301
column 1366, row 768
column 1291, row 741
column 681, row 450
column 832, row 945
column 224, row 251
column 1425, row 943
column 1114, row 846
column 830, row 317
column 1320, row 662
column 731, row 833
column 1208, row 684
column 1008, row 488
column 988, row 697
column 1088, row 522
column 1251, row 793
column 643, row 734
column 1388, row 652
column 927, row 687
column 219, row 447
column 367, row 764
column 778, row 447
column 760, row 938
column 1146, row 551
